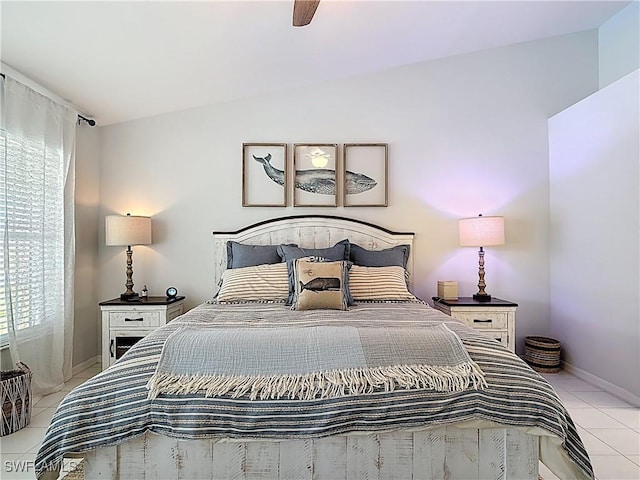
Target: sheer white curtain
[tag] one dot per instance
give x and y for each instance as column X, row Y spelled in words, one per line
column 37, row 178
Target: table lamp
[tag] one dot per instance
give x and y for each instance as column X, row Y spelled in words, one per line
column 128, row 230
column 481, row 232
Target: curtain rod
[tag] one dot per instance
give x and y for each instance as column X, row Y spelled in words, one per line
column 90, row 121
column 81, row 118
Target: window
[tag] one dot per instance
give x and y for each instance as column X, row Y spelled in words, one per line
column 31, row 231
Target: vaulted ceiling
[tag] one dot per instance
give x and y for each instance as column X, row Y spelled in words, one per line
column 119, row 61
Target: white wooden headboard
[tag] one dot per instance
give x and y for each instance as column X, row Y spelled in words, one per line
column 312, row 231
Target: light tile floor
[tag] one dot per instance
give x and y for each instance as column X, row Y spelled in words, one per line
column 608, row 426
column 18, row 450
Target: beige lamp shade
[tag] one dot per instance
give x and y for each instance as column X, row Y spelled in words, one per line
column 481, row 231
column 127, row 230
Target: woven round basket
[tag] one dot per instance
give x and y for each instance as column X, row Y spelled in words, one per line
column 542, row 354
column 15, row 396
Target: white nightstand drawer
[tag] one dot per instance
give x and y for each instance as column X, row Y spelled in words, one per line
column 174, row 312
column 500, row 335
column 496, row 318
column 482, row 320
column 134, row 318
column 125, row 322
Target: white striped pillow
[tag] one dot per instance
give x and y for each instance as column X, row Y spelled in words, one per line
column 269, row 282
column 378, row 283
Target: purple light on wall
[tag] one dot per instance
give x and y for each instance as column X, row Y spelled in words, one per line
column 463, row 193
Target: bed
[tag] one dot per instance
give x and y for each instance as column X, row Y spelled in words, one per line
column 144, row 418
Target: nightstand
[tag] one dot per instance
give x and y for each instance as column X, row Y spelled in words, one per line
column 125, row 322
column 496, row 318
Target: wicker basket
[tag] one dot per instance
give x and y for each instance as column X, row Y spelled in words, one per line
column 15, row 392
column 542, row 354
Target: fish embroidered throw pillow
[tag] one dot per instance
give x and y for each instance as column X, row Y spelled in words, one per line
column 320, row 285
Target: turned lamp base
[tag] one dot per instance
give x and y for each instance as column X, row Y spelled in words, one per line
column 128, row 296
column 482, row 297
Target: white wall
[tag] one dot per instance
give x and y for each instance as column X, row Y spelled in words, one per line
column 595, row 233
column 466, row 135
column 86, row 318
column 619, row 44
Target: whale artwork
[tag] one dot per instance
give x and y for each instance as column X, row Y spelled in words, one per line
column 319, row 180
column 321, row 284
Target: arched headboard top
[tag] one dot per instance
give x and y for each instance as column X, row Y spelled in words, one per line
column 312, row 231
column 311, row 219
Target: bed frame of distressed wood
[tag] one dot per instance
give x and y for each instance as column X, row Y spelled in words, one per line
column 438, row 453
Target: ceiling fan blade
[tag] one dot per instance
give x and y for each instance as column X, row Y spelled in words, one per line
column 303, row 11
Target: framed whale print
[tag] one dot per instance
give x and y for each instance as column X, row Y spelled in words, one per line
column 365, row 175
column 264, row 174
column 315, row 175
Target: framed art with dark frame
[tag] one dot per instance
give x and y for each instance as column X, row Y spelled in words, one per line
column 365, row 170
column 315, row 175
column 264, row 174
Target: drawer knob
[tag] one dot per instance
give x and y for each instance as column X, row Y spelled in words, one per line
column 477, row 320
column 141, row 319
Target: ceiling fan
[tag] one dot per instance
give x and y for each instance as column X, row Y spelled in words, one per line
column 303, row 11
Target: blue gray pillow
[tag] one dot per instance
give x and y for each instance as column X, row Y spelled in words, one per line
column 240, row 255
column 391, row 257
column 288, row 253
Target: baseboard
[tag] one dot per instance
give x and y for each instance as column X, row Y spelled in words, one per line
column 621, row 393
column 86, row 364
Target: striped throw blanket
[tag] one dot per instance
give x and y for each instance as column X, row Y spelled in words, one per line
column 312, row 362
column 113, row 407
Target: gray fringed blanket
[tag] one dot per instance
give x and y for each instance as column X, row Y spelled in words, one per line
column 312, row 362
column 113, row 407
